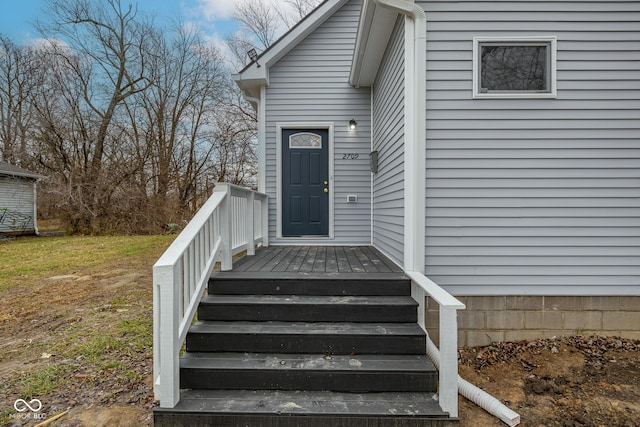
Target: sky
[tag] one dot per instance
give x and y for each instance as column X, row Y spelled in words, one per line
column 213, row 16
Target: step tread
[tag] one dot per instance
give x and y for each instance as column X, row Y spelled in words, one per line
column 302, row 277
column 308, row 300
column 307, row 362
column 259, row 402
column 278, row 283
column 304, row 328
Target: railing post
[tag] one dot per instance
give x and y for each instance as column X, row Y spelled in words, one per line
column 449, row 360
column 420, row 296
column 249, row 228
column 226, row 224
column 264, row 207
column 165, row 279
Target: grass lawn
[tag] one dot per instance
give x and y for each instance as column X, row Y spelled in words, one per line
column 76, row 327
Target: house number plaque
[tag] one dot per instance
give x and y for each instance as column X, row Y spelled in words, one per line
column 350, row 156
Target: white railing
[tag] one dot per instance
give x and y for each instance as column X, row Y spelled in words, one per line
column 447, row 359
column 234, row 219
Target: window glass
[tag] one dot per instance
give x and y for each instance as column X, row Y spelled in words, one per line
column 305, row 140
column 506, row 68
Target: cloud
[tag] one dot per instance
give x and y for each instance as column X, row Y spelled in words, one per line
column 223, row 9
column 216, row 9
column 45, row 44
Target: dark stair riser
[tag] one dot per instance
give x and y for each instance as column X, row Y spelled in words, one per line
column 309, row 380
column 287, row 343
column 301, row 311
column 195, row 419
column 311, row 286
column 359, row 373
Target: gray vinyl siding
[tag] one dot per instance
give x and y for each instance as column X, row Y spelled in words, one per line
column 311, row 84
column 535, row 196
column 17, row 195
column 388, row 139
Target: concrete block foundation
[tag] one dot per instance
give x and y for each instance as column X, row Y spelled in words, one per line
column 490, row 319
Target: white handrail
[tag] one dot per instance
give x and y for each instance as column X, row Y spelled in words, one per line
column 448, row 369
column 234, row 219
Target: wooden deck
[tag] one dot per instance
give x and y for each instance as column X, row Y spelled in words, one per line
column 316, row 259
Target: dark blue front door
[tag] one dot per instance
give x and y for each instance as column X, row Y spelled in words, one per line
column 305, row 182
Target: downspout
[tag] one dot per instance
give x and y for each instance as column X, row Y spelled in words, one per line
column 414, row 128
column 259, row 105
column 35, row 207
column 415, row 177
column 475, row 394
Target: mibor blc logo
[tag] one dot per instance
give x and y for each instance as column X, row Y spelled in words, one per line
column 28, row 410
column 21, row 405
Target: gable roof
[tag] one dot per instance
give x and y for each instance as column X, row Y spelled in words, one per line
column 12, row 170
column 256, row 74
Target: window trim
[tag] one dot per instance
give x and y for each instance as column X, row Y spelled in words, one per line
column 551, row 40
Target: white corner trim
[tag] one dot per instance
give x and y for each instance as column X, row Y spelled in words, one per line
column 329, row 126
column 553, row 93
column 415, row 131
column 259, row 104
column 262, row 141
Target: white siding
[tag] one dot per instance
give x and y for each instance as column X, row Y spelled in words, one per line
column 535, row 196
column 311, row 84
column 388, row 139
column 16, row 194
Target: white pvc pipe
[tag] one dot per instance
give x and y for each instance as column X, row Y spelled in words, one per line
column 475, row 394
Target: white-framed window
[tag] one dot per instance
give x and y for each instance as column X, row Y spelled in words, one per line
column 514, row 67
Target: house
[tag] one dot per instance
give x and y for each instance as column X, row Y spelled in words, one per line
column 480, row 157
column 506, row 137
column 18, row 210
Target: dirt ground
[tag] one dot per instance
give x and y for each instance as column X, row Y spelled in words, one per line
column 574, row 381
column 570, row 381
column 41, row 326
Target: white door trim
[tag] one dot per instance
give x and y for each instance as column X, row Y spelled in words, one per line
column 329, row 126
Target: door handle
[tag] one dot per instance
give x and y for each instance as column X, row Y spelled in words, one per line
column 326, row 190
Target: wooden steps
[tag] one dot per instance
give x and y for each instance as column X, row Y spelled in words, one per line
column 269, row 408
column 318, row 372
column 292, row 349
column 255, row 308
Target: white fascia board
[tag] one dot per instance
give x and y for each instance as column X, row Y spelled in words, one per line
column 256, row 74
column 374, row 31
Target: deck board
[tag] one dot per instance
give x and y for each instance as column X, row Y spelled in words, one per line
column 317, row 260
column 296, row 262
column 343, row 262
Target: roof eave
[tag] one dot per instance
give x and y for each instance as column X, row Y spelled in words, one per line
column 374, row 31
column 23, row 175
column 8, row 169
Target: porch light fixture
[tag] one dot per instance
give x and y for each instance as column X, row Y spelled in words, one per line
column 253, row 56
column 352, row 124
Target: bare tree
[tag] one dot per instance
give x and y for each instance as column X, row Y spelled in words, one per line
column 259, row 19
column 296, row 11
column 262, row 23
column 133, row 124
column 17, row 84
column 188, row 78
column 234, row 157
column 104, row 64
